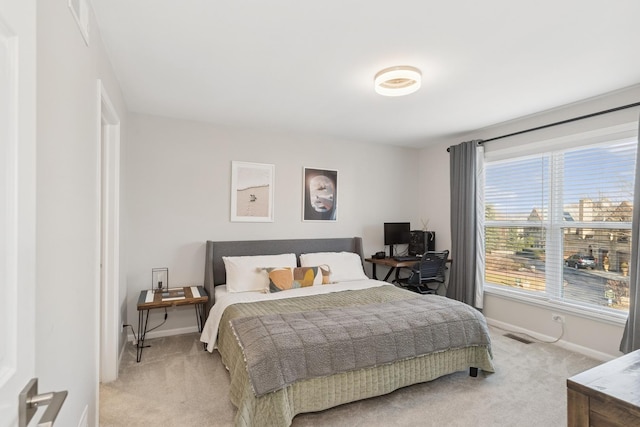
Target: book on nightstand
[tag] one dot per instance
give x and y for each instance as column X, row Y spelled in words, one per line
column 173, row 294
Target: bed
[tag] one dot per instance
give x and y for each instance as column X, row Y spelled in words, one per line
column 261, row 402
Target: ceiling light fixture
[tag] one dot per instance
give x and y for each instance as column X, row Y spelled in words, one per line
column 398, row 81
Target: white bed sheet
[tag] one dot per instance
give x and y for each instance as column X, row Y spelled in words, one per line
column 223, row 299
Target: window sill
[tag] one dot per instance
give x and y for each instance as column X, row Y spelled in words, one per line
column 602, row 315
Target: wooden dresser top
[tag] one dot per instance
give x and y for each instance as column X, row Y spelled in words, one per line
column 618, row 379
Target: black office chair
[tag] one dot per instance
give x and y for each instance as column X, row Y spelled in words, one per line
column 429, row 270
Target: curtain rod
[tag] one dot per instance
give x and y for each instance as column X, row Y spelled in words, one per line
column 561, row 122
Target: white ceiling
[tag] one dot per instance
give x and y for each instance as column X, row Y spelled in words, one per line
column 308, row 67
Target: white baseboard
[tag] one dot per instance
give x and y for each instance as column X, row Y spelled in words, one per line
column 165, row 333
column 598, row 355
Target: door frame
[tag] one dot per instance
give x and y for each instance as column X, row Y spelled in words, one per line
column 107, row 305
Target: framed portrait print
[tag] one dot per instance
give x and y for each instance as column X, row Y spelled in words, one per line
column 252, row 192
column 320, row 195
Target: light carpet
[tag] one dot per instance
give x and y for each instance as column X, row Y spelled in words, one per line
column 177, row 383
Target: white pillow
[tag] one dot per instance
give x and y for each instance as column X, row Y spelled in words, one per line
column 247, row 274
column 345, row 266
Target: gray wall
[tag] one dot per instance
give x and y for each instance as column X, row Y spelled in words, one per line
column 177, row 178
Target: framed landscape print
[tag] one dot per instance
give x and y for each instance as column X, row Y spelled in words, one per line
column 252, row 192
column 320, row 195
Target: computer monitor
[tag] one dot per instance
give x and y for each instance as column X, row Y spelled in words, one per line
column 396, row 233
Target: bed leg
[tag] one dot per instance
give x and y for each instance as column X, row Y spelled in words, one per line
column 473, row 372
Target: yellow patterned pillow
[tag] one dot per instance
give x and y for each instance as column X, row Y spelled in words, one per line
column 280, row 279
column 284, row 278
column 309, row 276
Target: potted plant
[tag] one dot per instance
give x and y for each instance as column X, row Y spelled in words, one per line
column 624, row 266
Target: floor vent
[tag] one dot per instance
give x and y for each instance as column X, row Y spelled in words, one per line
column 517, row 338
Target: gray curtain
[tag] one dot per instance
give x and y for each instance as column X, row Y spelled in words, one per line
column 631, row 336
column 463, row 281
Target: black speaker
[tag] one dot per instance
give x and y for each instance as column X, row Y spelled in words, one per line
column 421, row 242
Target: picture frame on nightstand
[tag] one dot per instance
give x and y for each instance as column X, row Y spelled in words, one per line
column 160, row 279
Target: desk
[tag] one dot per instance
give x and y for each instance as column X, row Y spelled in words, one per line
column 607, row 395
column 389, row 262
column 148, row 300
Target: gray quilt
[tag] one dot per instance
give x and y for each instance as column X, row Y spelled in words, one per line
column 280, row 349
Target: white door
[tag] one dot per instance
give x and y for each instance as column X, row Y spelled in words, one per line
column 17, row 202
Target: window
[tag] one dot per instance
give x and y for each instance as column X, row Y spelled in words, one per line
column 558, row 224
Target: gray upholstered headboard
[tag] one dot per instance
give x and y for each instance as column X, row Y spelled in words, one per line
column 214, row 272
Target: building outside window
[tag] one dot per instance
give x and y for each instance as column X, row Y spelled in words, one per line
column 558, row 224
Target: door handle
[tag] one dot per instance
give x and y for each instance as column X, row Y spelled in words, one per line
column 29, row 401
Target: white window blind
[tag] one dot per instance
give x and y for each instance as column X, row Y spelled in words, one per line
column 558, row 223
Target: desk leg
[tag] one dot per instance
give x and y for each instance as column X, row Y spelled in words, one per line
column 142, row 332
column 373, row 270
column 389, row 273
column 397, row 274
